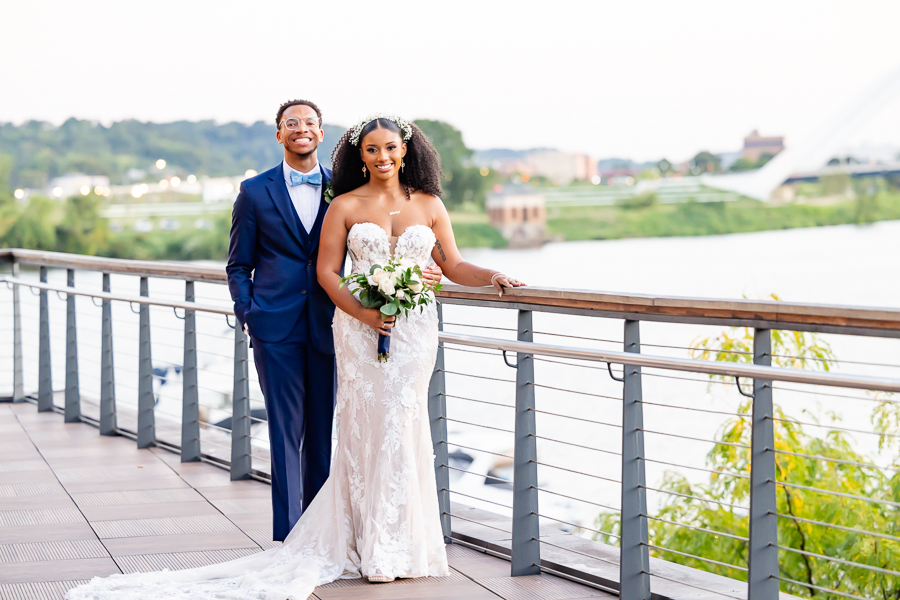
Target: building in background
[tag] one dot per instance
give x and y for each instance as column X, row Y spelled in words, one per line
column 560, row 167
column 756, row 145
column 519, row 213
column 75, row 184
column 557, row 166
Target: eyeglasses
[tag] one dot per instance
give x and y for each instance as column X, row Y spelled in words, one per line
column 294, row 123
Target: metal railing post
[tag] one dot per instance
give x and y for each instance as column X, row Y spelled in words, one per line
column 146, row 425
column 18, row 372
column 240, row 417
column 73, row 394
column 526, row 547
column 634, row 562
column 190, row 406
column 108, row 425
column 45, row 376
column 763, row 559
column 437, row 414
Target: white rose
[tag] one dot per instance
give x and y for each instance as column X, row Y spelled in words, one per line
column 417, row 287
column 378, row 277
column 407, row 263
column 401, row 294
column 387, row 287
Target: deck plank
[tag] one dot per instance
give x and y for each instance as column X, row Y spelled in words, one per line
column 98, row 505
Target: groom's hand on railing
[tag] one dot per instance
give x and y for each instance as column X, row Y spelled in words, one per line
column 432, row 274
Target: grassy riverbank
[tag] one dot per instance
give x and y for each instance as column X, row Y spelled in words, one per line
column 715, row 218
column 77, row 225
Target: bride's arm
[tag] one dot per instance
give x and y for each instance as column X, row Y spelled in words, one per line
column 448, row 258
column 332, row 252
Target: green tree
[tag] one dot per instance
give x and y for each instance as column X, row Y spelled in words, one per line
column 742, row 164
column 9, row 209
column 830, row 463
column 33, row 227
column 463, row 183
column 81, row 230
column 706, row 162
column 665, row 167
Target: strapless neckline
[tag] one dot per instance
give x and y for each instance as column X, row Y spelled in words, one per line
column 392, row 240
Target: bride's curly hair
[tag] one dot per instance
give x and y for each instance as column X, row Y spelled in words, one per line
column 423, row 163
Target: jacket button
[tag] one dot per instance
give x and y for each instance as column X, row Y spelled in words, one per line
column 303, row 292
column 309, row 264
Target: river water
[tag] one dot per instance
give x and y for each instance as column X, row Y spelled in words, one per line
column 851, row 265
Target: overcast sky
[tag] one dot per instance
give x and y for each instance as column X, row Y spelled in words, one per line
column 639, row 79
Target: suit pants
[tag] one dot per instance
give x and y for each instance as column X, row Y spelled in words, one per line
column 299, row 385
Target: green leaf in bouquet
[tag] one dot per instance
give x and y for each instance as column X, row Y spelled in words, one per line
column 369, row 299
column 389, row 309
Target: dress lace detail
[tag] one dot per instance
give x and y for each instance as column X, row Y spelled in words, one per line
column 377, row 513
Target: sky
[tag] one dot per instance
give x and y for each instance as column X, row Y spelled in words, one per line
column 637, row 78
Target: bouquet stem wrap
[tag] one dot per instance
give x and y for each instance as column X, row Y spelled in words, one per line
column 384, row 347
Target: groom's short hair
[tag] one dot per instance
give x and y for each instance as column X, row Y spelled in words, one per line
column 290, row 103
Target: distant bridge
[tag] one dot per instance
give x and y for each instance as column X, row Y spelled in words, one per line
column 812, row 153
column 882, row 169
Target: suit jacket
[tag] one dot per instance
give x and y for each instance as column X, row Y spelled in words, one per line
column 272, row 262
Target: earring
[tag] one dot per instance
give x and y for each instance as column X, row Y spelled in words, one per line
column 402, row 164
column 364, row 170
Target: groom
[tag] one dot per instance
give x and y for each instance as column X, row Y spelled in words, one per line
column 272, row 278
column 271, row 270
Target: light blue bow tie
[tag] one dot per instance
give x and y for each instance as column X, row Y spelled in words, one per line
column 310, row 178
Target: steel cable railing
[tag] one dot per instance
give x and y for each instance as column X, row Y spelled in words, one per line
column 809, row 488
column 458, row 493
column 546, row 491
column 573, row 445
column 741, row 538
column 835, row 427
column 695, row 557
column 477, row 425
column 456, row 445
column 687, row 437
column 576, row 526
column 837, row 526
column 478, row 401
column 591, row 394
column 525, row 467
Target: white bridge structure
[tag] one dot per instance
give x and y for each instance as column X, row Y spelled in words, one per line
column 812, row 153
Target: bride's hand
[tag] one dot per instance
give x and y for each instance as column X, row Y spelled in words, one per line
column 432, row 274
column 377, row 321
column 500, row 281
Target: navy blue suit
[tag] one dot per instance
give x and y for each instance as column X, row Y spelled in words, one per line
column 272, row 279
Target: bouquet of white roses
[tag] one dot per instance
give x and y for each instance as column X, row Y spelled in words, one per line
column 395, row 289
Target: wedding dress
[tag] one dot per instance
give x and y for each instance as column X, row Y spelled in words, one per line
column 377, row 514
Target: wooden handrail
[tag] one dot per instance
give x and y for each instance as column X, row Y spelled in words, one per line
column 856, row 320
column 143, row 268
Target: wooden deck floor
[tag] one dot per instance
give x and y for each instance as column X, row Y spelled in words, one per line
column 74, row 505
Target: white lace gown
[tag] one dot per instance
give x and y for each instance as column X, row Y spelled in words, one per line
column 377, row 513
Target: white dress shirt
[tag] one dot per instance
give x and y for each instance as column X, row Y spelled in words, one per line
column 305, row 197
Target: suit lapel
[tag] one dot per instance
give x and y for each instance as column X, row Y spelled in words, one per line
column 278, row 191
column 323, row 206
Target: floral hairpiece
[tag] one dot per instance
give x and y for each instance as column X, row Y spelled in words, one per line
column 403, row 124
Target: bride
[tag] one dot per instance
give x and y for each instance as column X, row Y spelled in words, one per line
column 377, row 514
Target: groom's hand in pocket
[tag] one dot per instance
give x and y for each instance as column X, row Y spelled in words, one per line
column 432, row 274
